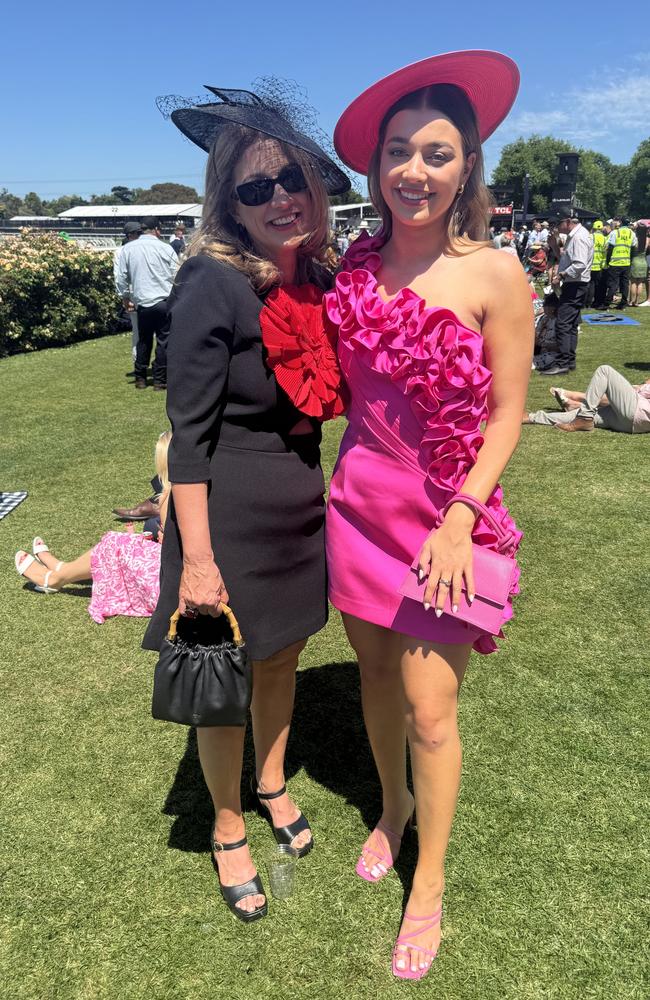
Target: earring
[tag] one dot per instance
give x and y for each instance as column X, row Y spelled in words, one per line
column 461, row 189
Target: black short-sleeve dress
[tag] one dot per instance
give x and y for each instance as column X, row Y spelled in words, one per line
column 231, row 426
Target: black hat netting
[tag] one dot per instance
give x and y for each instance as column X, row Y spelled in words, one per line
column 277, row 108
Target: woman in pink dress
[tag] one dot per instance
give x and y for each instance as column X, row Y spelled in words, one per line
column 124, row 568
column 435, row 336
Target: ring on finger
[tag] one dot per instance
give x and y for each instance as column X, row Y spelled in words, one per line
column 447, row 583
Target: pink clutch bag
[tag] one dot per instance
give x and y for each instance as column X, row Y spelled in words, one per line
column 493, row 578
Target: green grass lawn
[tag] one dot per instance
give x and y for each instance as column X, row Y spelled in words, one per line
column 108, row 890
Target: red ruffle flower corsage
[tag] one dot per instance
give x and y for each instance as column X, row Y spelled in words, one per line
column 301, row 351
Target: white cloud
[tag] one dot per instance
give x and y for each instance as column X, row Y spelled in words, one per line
column 616, row 102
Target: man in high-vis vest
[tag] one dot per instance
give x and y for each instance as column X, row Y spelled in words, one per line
column 619, row 252
column 597, row 295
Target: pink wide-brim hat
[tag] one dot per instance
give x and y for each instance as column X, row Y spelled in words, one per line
column 489, row 79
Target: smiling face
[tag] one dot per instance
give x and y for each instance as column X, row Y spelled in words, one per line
column 422, row 166
column 278, row 226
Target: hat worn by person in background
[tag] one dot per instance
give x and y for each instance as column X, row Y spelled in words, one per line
column 489, row 80
column 150, row 223
column 563, row 214
column 132, row 227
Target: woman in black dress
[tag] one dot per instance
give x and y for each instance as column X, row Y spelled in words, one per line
column 251, row 374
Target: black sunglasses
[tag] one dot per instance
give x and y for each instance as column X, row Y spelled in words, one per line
column 258, row 192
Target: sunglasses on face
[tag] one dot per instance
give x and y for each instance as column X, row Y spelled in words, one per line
column 258, row 192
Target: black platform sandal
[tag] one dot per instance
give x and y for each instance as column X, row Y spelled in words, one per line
column 283, row 834
column 233, row 893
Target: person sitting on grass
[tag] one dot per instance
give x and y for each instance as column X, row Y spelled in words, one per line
column 545, row 342
column 124, row 568
column 610, row 402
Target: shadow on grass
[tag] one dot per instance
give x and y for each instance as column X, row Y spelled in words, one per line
column 70, row 590
column 328, row 739
column 642, row 366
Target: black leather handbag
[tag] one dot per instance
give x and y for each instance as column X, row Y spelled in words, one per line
column 203, row 677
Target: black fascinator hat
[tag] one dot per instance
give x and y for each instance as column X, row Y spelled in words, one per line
column 276, row 113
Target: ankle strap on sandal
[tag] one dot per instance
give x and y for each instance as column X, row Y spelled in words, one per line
column 218, row 847
column 271, row 795
column 435, row 917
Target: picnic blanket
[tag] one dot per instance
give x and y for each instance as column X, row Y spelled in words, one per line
column 606, row 319
column 9, row 501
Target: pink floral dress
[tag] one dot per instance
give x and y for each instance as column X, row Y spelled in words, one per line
column 419, row 390
column 125, row 573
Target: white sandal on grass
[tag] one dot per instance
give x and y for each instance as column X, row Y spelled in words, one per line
column 23, row 561
column 38, row 546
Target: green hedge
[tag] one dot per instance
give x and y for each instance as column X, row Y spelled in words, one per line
column 53, row 292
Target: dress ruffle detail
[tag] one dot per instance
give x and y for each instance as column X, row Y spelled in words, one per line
column 300, row 352
column 437, row 362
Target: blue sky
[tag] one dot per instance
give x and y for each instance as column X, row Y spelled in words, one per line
column 79, row 80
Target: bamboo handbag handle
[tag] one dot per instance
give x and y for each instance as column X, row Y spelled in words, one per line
column 227, row 611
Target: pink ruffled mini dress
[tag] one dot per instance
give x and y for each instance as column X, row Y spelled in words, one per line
column 125, row 572
column 419, row 389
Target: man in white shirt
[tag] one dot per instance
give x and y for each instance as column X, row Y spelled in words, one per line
column 574, row 274
column 144, row 275
column 132, row 231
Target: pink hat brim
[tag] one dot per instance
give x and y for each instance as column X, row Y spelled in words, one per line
column 489, row 79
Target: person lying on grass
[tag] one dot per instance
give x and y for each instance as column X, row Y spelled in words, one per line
column 610, row 402
column 124, row 568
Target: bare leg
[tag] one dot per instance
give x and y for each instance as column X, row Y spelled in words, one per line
column 579, row 397
column 72, row 572
column 432, row 675
column 221, row 752
column 382, row 696
column 274, row 688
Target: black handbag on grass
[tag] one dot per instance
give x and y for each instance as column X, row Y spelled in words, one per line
column 203, row 676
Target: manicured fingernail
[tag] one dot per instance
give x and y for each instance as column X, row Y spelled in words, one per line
column 420, row 575
column 470, row 597
column 454, row 608
column 400, row 965
column 426, row 606
column 438, row 612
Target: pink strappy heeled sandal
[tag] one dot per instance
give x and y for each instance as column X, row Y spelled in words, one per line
column 387, row 858
column 404, row 940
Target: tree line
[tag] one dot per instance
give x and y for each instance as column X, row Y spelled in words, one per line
column 167, row 193
column 603, row 187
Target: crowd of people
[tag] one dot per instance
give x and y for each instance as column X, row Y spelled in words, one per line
column 604, row 267
column 621, row 259
column 258, row 344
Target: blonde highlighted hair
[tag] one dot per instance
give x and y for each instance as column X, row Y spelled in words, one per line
column 160, row 462
column 222, row 237
column 468, row 218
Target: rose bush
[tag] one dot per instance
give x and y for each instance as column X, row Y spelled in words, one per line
column 53, row 292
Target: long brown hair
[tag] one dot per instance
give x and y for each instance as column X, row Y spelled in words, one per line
column 469, row 215
column 222, row 237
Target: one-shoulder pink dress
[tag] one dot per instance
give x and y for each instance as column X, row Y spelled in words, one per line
column 419, row 387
